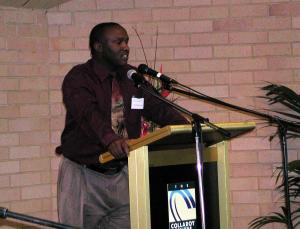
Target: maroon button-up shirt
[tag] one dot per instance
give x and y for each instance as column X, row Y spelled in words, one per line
column 87, row 98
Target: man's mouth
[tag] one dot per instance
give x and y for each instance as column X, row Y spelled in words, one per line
column 124, row 57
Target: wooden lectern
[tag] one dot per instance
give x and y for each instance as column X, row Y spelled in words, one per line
column 168, row 154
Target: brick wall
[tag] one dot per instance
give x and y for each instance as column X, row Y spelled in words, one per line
column 25, row 146
column 227, row 49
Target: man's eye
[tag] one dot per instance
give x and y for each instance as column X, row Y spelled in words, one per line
column 116, row 41
column 121, row 41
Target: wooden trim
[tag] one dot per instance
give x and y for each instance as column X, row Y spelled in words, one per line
column 223, row 183
column 138, row 173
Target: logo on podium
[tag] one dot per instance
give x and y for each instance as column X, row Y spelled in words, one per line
column 182, row 205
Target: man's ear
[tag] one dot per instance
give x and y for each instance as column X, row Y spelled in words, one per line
column 98, row 46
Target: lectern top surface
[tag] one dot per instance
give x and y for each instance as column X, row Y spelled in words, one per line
column 183, row 134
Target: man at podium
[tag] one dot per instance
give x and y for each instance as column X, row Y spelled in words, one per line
column 103, row 109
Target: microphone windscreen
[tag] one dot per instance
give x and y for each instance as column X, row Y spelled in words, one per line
column 143, row 68
column 130, row 73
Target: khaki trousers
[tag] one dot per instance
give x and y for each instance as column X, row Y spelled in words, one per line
column 92, row 200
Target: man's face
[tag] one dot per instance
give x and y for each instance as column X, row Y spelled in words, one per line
column 115, row 48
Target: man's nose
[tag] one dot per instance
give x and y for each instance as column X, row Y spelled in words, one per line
column 124, row 45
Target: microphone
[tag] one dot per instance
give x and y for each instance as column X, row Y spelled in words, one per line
column 144, row 69
column 136, row 77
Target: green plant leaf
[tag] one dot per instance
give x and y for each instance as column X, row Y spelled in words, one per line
column 263, row 220
column 290, row 121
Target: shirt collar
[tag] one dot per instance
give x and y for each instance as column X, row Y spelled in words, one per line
column 102, row 72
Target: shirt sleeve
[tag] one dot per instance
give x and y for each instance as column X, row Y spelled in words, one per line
column 80, row 101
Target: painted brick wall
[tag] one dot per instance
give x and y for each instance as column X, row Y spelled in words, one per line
column 227, row 49
column 25, row 146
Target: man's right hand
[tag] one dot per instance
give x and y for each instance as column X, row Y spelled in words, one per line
column 119, row 148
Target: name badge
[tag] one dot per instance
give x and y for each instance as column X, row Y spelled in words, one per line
column 137, row 103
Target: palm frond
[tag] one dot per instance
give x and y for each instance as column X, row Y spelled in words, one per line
column 279, row 90
column 293, row 135
column 274, row 217
column 290, row 121
column 290, row 99
column 296, row 218
column 293, row 116
column 294, row 166
column 284, row 95
column 293, row 179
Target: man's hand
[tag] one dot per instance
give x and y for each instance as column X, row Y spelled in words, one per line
column 119, row 148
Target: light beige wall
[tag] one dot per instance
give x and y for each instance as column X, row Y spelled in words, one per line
column 25, row 145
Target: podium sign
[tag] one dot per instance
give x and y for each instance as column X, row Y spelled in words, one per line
column 182, row 205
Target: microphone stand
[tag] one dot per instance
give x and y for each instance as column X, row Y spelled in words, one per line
column 4, row 212
column 282, row 126
column 196, row 125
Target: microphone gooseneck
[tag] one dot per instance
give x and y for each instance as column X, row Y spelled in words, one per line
column 144, row 69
